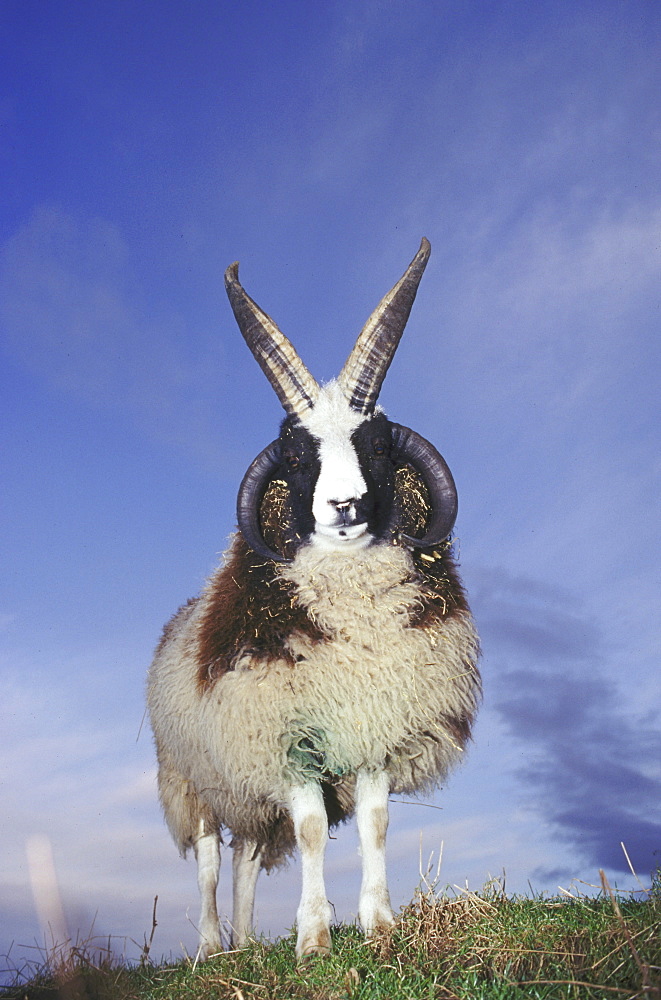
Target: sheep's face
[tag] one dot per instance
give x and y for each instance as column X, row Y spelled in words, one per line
column 340, row 475
column 337, row 452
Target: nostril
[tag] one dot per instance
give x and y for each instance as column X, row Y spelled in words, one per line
column 341, row 505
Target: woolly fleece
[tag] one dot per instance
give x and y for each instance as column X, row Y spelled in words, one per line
column 378, row 694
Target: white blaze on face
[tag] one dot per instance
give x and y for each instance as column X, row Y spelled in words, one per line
column 340, row 484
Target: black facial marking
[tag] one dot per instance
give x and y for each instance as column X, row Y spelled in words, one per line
column 373, row 441
column 299, row 467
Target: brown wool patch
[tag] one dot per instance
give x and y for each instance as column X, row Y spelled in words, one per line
column 459, row 726
column 248, row 609
column 442, row 593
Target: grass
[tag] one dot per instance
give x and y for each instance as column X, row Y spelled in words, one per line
column 464, row 945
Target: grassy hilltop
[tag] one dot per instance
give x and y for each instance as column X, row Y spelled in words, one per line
column 469, row 946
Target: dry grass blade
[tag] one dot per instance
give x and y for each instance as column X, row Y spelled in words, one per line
column 647, row 987
column 572, row 982
column 631, row 867
column 146, row 948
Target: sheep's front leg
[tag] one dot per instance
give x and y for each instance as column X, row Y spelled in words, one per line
column 311, row 829
column 207, row 852
column 246, row 862
column 372, row 790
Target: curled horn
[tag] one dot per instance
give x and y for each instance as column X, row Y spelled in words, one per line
column 250, row 496
column 407, row 448
column 295, row 387
column 412, row 449
column 365, row 369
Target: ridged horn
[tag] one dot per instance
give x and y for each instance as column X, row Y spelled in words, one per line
column 412, row 448
column 250, row 496
column 295, row 387
column 365, row 369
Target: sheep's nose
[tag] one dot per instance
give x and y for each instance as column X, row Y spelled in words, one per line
column 342, row 506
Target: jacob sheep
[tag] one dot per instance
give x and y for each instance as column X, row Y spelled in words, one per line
column 332, row 659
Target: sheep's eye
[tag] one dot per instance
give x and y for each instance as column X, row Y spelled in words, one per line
column 293, row 461
column 379, row 446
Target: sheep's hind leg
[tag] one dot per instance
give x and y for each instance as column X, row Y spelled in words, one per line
column 374, row 909
column 207, row 852
column 311, row 829
column 246, row 862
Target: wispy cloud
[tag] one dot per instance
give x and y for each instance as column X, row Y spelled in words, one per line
column 591, row 767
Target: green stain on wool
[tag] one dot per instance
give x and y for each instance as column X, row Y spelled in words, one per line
column 309, row 757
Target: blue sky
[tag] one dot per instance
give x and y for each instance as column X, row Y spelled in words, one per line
column 143, row 148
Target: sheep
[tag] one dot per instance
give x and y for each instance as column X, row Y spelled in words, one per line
column 332, row 659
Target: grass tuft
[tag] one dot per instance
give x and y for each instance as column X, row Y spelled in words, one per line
column 445, row 946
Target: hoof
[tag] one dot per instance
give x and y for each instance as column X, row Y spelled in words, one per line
column 236, row 943
column 377, row 919
column 208, row 949
column 313, row 945
column 382, row 927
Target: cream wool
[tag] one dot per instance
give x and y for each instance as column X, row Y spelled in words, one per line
column 379, row 694
column 399, row 685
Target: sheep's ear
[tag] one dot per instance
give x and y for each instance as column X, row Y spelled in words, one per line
column 365, row 368
column 252, row 492
column 411, row 449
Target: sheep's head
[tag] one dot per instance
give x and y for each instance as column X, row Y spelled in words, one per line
column 338, row 455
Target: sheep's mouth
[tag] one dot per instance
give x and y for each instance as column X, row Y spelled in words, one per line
column 342, row 534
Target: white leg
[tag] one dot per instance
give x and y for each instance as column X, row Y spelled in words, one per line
column 374, row 908
column 246, row 860
column 207, row 852
column 311, row 828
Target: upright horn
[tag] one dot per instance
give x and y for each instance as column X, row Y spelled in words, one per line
column 295, row 387
column 365, row 368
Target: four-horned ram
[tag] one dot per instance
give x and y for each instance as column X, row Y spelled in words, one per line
column 331, row 660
